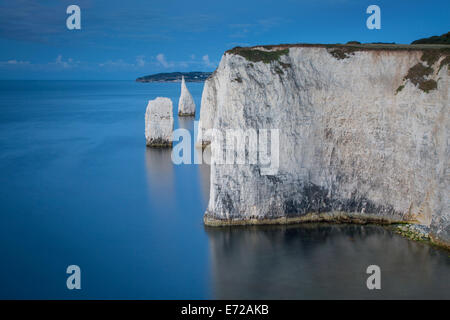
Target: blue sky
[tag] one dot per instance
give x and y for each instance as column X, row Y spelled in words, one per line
column 127, row 39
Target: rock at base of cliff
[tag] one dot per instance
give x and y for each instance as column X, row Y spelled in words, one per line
column 159, row 123
column 186, row 105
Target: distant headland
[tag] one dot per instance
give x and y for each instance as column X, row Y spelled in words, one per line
column 195, row 76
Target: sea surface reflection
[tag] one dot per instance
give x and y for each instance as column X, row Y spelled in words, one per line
column 323, row 261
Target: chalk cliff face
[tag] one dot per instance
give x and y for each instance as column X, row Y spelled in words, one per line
column 186, row 105
column 363, row 135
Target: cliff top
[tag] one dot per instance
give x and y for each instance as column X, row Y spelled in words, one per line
column 268, row 53
column 431, row 43
column 352, row 44
column 441, row 42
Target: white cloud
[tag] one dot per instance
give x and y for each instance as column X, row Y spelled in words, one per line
column 191, row 62
column 140, row 61
column 120, row 63
column 16, row 62
column 162, row 60
column 117, row 63
column 60, row 62
column 207, row 62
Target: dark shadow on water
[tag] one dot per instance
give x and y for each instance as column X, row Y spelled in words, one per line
column 323, row 261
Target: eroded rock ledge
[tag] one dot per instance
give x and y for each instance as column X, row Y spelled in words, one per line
column 363, row 134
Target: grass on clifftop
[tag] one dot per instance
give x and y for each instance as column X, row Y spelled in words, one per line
column 443, row 39
column 256, row 55
column 418, row 73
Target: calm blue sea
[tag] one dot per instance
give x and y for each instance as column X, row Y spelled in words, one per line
column 78, row 186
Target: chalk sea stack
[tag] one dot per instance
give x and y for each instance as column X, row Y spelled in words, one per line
column 159, row 123
column 363, row 134
column 186, row 105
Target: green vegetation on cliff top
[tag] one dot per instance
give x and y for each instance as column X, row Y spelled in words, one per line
column 439, row 45
column 443, row 39
column 255, row 55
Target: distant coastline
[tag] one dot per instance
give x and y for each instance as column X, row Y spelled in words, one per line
column 195, row 76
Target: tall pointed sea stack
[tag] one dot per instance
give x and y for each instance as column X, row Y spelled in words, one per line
column 159, row 123
column 186, row 105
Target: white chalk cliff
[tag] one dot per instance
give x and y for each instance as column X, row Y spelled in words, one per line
column 186, row 105
column 363, row 134
column 159, row 122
